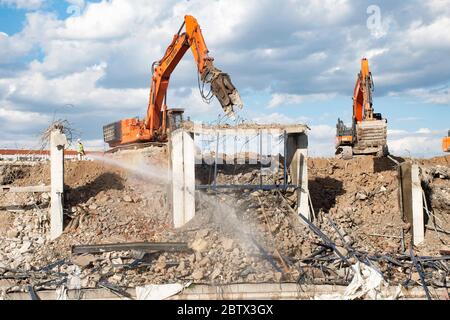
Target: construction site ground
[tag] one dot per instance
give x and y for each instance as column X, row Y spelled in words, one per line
column 235, row 237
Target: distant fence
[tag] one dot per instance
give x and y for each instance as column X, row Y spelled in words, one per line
column 36, row 155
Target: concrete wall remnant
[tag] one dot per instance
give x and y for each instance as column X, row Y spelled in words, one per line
column 256, row 149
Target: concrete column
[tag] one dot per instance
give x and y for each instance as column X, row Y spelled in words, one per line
column 189, row 176
column 183, row 177
column 418, row 217
column 412, row 200
column 297, row 162
column 57, row 142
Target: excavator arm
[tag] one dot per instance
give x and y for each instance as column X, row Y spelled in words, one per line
column 362, row 96
column 153, row 128
column 221, row 85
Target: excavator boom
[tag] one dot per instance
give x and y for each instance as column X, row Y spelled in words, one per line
column 154, row 126
column 362, row 96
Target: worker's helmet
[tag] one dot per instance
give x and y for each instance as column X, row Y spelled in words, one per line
column 78, row 140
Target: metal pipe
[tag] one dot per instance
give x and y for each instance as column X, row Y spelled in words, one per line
column 260, row 158
column 245, row 186
column 139, row 246
column 285, row 158
column 217, row 157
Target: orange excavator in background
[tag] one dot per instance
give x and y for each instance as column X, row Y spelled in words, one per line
column 446, row 143
column 368, row 134
column 159, row 120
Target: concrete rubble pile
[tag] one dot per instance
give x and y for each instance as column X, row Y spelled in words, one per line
column 236, row 236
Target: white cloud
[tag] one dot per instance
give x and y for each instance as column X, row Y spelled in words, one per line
column 409, row 119
column 100, row 21
column 79, row 3
column 13, row 120
column 438, row 7
column 23, row 4
column 424, row 131
column 396, row 132
column 279, row 118
column 433, row 35
column 94, row 145
column 79, row 89
column 422, row 143
column 193, row 104
column 376, row 52
column 323, row 132
column 327, row 12
column 280, row 99
column 431, row 95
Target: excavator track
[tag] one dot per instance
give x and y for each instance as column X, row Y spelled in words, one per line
column 136, row 146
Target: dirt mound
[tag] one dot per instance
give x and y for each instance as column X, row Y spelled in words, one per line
column 9, row 174
column 361, row 196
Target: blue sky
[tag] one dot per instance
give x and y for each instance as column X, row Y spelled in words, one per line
column 299, row 65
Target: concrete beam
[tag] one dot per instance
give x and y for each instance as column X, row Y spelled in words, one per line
column 37, row 189
column 244, row 291
column 244, row 129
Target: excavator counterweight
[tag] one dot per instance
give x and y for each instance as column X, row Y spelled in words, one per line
column 368, row 133
column 446, row 143
column 156, row 125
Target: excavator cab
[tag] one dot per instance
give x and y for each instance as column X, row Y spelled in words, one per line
column 175, row 119
column 344, row 140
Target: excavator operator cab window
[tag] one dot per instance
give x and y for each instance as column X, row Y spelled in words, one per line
column 378, row 116
column 176, row 119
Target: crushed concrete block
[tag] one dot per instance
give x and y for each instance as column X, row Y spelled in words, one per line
column 227, row 244
column 11, row 234
column 83, row 260
column 198, row 274
column 361, row 196
column 215, row 273
column 199, row 245
column 25, row 247
column 127, row 199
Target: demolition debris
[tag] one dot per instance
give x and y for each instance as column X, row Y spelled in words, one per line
column 118, row 233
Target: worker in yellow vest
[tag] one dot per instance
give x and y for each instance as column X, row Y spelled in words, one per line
column 80, row 151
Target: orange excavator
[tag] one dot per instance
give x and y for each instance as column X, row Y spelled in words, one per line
column 368, row 134
column 446, row 143
column 159, row 119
